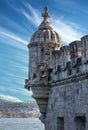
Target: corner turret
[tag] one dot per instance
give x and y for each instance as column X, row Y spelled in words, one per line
column 43, row 42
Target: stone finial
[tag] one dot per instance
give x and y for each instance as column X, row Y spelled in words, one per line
column 46, row 15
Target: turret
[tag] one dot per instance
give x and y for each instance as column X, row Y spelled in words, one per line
column 43, row 42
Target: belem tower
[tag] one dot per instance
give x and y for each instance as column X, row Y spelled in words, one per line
column 58, row 78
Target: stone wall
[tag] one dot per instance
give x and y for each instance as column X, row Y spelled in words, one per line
column 68, row 105
column 68, row 100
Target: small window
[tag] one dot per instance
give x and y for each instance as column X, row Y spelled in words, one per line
column 42, row 50
column 42, row 54
column 80, row 122
column 34, row 76
column 49, row 74
column 60, row 123
column 52, row 36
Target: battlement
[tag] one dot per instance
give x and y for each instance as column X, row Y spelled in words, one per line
column 70, row 60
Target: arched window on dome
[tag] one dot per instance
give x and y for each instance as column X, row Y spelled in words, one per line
column 52, row 36
column 47, row 37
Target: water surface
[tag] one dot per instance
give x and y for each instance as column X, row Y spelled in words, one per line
column 21, row 124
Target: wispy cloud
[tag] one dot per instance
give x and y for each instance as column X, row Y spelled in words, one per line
column 68, row 32
column 34, row 16
column 9, row 98
column 12, row 24
column 31, row 14
column 11, row 35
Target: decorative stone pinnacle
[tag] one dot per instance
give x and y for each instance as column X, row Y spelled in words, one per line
column 46, row 15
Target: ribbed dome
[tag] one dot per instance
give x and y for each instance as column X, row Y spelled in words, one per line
column 45, row 33
column 45, row 36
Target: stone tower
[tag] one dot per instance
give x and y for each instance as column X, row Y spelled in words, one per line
column 43, row 42
column 58, row 77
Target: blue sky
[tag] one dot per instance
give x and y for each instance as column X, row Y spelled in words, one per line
column 19, row 19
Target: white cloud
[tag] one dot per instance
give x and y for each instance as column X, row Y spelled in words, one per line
column 34, row 18
column 68, row 32
column 14, row 25
column 11, row 35
column 9, row 98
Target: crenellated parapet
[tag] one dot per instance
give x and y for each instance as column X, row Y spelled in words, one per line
column 70, row 60
column 75, row 52
column 84, row 40
column 65, row 56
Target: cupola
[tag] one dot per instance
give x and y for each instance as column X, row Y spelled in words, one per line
column 45, row 32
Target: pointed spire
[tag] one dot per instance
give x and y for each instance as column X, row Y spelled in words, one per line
column 46, row 15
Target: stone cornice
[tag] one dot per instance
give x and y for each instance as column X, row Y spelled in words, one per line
column 75, row 78
column 45, row 43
